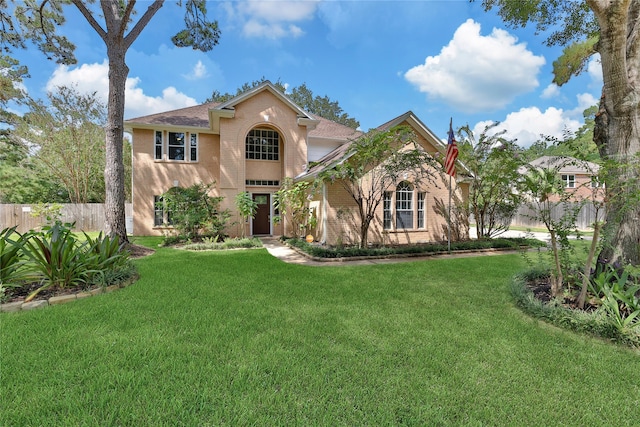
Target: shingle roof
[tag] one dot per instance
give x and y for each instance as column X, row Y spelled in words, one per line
column 564, row 164
column 196, row 116
column 332, row 130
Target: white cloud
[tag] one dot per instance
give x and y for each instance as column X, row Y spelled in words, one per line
column 94, row 78
column 476, row 73
column 594, row 68
column 199, row 71
column 550, row 91
column 271, row 19
column 528, row 124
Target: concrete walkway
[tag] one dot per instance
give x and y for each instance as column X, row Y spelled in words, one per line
column 292, row 256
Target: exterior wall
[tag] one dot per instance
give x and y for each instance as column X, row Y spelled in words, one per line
column 154, row 177
column 341, row 219
column 264, row 110
column 582, row 190
column 221, row 158
column 339, row 222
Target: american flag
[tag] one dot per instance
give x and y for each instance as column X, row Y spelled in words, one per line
column 452, row 153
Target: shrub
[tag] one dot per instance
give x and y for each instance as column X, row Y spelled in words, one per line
column 596, row 323
column 13, row 268
column 58, row 257
column 346, row 252
column 194, row 213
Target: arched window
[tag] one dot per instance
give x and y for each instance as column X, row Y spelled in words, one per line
column 404, row 205
column 262, row 144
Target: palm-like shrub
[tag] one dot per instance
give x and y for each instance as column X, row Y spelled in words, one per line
column 58, row 257
column 13, row 268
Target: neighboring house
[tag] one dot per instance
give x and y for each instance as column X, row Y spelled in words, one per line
column 579, row 178
column 252, row 143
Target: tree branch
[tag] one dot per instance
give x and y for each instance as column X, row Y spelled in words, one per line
column 142, row 22
column 90, row 19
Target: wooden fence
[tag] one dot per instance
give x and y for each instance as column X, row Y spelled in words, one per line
column 87, row 216
column 585, row 219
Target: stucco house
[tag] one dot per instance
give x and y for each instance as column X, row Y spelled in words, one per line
column 252, row 143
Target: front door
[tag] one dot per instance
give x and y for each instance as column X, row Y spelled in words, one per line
column 262, row 220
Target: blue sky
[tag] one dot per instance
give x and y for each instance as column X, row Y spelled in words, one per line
column 440, row 59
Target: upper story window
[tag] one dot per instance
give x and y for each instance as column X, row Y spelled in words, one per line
column 263, row 144
column 177, row 148
column 158, row 146
column 569, row 181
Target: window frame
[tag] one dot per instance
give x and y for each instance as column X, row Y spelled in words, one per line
column 162, row 146
column 255, row 147
column 158, row 145
column 404, row 205
column 387, row 212
column 420, row 209
column 568, row 180
column 193, row 148
column 176, row 147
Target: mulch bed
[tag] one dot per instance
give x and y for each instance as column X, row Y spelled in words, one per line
column 19, row 294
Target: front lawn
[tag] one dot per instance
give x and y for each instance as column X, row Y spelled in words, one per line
column 240, row 338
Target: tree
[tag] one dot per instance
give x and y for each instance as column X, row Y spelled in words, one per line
column 607, row 27
column 302, row 96
column 67, row 135
column 321, row 106
column 38, row 20
column 194, row 213
column 247, row 208
column 493, row 162
column 292, row 201
column 374, row 162
column 544, row 194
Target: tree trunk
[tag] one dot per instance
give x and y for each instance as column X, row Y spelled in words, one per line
column 617, row 132
column 556, row 279
column 587, row 267
column 115, row 223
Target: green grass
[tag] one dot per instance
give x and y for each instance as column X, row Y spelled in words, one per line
column 240, row 338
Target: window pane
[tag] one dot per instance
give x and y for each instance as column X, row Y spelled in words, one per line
column 404, row 219
column 176, row 146
column 158, row 145
column 262, row 144
column 386, row 207
column 193, row 155
column 158, row 211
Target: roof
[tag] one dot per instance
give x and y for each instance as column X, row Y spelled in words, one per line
column 341, row 153
column 196, row 116
column 564, row 165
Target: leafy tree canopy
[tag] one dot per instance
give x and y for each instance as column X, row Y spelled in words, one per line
column 322, row 106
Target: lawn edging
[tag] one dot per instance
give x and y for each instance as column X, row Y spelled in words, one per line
column 66, row 298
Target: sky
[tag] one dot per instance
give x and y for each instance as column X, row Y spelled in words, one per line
column 441, row 59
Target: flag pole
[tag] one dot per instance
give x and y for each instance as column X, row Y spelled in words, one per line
column 449, row 218
column 450, row 169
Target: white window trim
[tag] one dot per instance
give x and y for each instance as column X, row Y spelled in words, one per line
column 197, row 147
column 568, row 180
column 155, row 145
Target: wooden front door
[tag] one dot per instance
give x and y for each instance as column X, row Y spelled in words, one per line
column 262, row 220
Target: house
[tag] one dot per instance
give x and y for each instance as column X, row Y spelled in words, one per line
column 579, row 178
column 252, row 143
